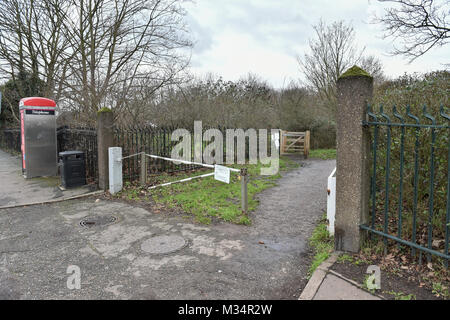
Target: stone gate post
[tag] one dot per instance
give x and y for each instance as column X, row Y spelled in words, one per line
column 105, row 139
column 354, row 91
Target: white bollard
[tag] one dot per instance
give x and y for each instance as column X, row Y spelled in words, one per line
column 331, row 201
column 115, row 169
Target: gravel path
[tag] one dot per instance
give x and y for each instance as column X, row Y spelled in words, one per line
column 286, row 217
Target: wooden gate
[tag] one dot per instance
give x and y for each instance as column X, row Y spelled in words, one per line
column 294, row 142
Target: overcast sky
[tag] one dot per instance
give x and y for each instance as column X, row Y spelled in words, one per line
column 264, row 37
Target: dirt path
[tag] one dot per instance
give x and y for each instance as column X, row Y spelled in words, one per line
column 286, row 217
column 268, row 260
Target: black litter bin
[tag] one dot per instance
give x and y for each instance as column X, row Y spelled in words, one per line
column 73, row 169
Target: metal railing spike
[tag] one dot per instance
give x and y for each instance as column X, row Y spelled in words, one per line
column 443, row 115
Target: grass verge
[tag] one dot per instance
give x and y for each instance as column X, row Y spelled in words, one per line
column 322, row 244
column 324, row 154
column 207, row 198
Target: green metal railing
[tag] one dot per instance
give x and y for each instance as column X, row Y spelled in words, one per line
column 405, row 158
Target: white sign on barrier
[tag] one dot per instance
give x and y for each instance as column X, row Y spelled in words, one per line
column 222, row 173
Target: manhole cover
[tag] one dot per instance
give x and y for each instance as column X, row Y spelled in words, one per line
column 97, row 221
column 163, row 244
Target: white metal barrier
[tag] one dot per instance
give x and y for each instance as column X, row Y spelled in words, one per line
column 331, row 201
column 220, row 173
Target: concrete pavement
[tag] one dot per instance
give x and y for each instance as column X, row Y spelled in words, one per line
column 127, row 252
column 326, row 284
column 143, row 255
column 334, row 287
column 16, row 190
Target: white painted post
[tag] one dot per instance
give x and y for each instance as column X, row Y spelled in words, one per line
column 244, row 190
column 115, row 169
column 331, row 201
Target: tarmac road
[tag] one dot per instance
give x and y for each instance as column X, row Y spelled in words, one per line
column 126, row 259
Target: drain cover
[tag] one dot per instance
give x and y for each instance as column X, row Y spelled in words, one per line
column 163, row 244
column 97, row 221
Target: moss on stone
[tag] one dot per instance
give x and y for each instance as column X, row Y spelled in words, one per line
column 355, row 71
column 104, row 109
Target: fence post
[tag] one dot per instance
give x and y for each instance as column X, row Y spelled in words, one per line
column 143, row 173
column 105, row 139
column 306, row 144
column 244, row 190
column 282, row 142
column 115, row 170
column 354, row 91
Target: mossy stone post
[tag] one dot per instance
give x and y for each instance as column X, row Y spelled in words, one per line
column 105, row 139
column 354, row 90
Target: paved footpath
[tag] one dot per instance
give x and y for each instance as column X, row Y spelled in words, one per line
column 326, row 284
column 148, row 255
column 15, row 189
column 334, row 287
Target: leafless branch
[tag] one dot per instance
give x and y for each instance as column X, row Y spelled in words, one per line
column 419, row 25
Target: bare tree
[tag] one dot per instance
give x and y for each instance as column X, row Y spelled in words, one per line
column 93, row 53
column 332, row 51
column 32, row 48
column 374, row 67
column 121, row 44
column 32, row 41
column 420, row 24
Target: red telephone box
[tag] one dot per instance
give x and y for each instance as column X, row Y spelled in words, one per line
column 38, row 137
